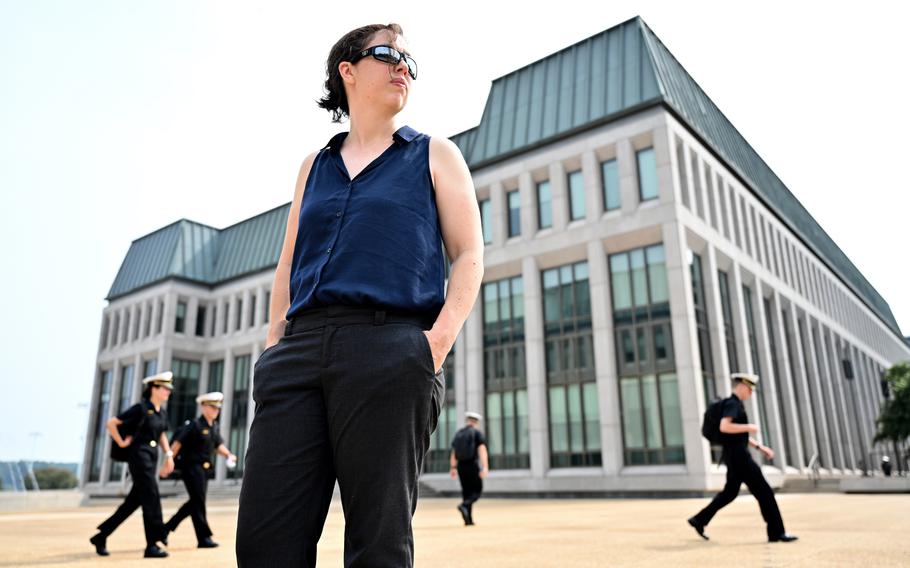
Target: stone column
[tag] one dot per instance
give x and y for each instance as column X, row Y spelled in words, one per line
column 226, row 411
column 823, row 436
column 801, row 384
column 499, row 212
column 715, row 315
column 611, row 442
column 830, row 401
column 627, row 169
column 527, row 191
column 789, row 396
column 840, row 401
column 536, row 366
column 590, row 173
column 688, row 369
column 559, row 196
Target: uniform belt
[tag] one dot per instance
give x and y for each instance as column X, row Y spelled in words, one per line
column 337, row 316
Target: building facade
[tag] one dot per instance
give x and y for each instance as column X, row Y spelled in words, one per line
column 638, row 251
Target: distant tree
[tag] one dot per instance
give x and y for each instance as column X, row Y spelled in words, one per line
column 53, row 478
column 894, row 419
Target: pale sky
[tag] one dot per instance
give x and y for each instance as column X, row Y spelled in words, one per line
column 120, row 117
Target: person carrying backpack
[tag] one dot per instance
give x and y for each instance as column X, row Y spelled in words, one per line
column 468, row 448
column 726, row 423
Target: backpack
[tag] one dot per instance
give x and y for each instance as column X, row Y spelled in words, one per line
column 710, row 424
column 464, row 445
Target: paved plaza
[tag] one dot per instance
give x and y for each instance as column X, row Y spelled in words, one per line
column 834, row 530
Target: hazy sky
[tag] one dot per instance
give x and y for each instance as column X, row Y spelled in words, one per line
column 117, row 118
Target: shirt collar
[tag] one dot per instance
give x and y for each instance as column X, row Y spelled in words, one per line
column 403, row 135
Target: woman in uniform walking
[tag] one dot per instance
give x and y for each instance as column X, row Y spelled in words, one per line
column 148, row 422
column 350, row 386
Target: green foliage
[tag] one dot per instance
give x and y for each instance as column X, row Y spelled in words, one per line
column 894, row 420
column 53, row 478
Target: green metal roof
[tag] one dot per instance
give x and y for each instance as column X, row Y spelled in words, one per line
column 621, row 71
column 198, row 253
column 611, row 74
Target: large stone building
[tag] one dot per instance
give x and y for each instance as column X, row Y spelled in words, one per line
column 638, row 252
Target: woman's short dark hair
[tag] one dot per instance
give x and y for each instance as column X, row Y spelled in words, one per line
column 147, row 392
column 336, row 100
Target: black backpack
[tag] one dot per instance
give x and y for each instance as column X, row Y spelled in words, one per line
column 464, row 445
column 710, row 424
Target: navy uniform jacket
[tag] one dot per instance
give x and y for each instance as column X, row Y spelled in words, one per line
column 198, row 442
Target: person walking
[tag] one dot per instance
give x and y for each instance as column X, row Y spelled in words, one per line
column 350, row 385
column 146, row 421
column 741, row 468
column 194, row 445
column 470, row 462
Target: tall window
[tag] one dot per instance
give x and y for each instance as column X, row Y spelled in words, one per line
column 227, row 316
column 160, row 323
column 704, row 334
column 775, row 369
column 544, row 205
column 148, row 320
column 763, row 400
column 252, row 321
column 505, row 380
column 811, row 394
column 726, row 309
column 268, row 306
column 149, row 367
column 576, row 196
column 610, row 174
column 105, row 326
column 239, row 323
column 648, row 388
column 681, row 171
column 237, row 435
column 826, row 395
column 572, row 390
column 123, row 402
column 647, row 174
column 213, row 319
column 102, row 408
column 514, row 200
column 182, row 404
column 216, row 376
column 115, row 336
column 200, row 321
column 180, row 318
column 437, row 460
column 802, row 423
column 486, row 221
column 126, row 325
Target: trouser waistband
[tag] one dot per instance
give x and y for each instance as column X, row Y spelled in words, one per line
column 337, row 316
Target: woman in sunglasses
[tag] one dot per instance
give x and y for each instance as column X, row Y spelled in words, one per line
column 350, row 385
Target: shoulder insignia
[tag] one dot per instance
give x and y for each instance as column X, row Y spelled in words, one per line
column 205, row 432
column 151, row 411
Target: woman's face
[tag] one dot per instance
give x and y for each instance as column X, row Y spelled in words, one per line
column 372, row 82
column 164, row 393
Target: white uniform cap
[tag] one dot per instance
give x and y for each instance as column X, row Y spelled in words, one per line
column 211, row 398
column 749, row 378
column 473, row 416
column 165, row 379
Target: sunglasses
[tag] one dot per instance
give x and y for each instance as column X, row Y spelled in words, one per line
column 388, row 54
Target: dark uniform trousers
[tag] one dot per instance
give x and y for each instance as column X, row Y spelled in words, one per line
column 195, row 480
column 471, row 483
column 142, row 465
column 741, row 468
column 347, row 393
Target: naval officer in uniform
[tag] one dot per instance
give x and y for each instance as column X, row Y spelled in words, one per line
column 194, row 445
column 147, row 422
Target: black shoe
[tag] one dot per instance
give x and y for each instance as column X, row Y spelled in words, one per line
column 154, row 552
column 784, row 538
column 207, row 543
column 699, row 528
column 464, row 514
column 100, row 542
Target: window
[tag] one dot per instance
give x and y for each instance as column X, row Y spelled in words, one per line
column 159, row 325
column 544, row 205
column 722, row 199
column 227, row 316
column 239, row 312
column 610, row 173
column 486, row 221
column 216, row 376
column 148, row 320
column 102, row 408
column 115, row 336
column 149, row 367
column 126, row 325
column 811, row 394
column 505, row 380
column 268, row 306
column 182, row 404
column 696, row 187
column 802, row 424
column 569, row 353
column 576, row 196
column 180, row 318
column 712, row 206
column 747, row 230
column 734, row 209
column 775, row 369
column 238, row 431
column 763, row 393
column 704, row 334
column 514, row 200
column 648, row 388
column 647, row 174
column 200, row 321
column 727, row 311
column 123, row 402
column 681, row 171
column 105, row 328
column 214, row 319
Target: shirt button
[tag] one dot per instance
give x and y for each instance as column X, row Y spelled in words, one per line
column 329, row 251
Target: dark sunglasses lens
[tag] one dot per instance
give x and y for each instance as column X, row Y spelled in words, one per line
column 386, row 54
column 412, row 67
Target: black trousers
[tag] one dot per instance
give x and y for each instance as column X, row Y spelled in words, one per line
column 195, row 480
column 741, row 468
column 471, row 483
column 144, row 493
column 347, row 394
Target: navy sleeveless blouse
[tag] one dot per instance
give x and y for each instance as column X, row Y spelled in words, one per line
column 373, row 241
